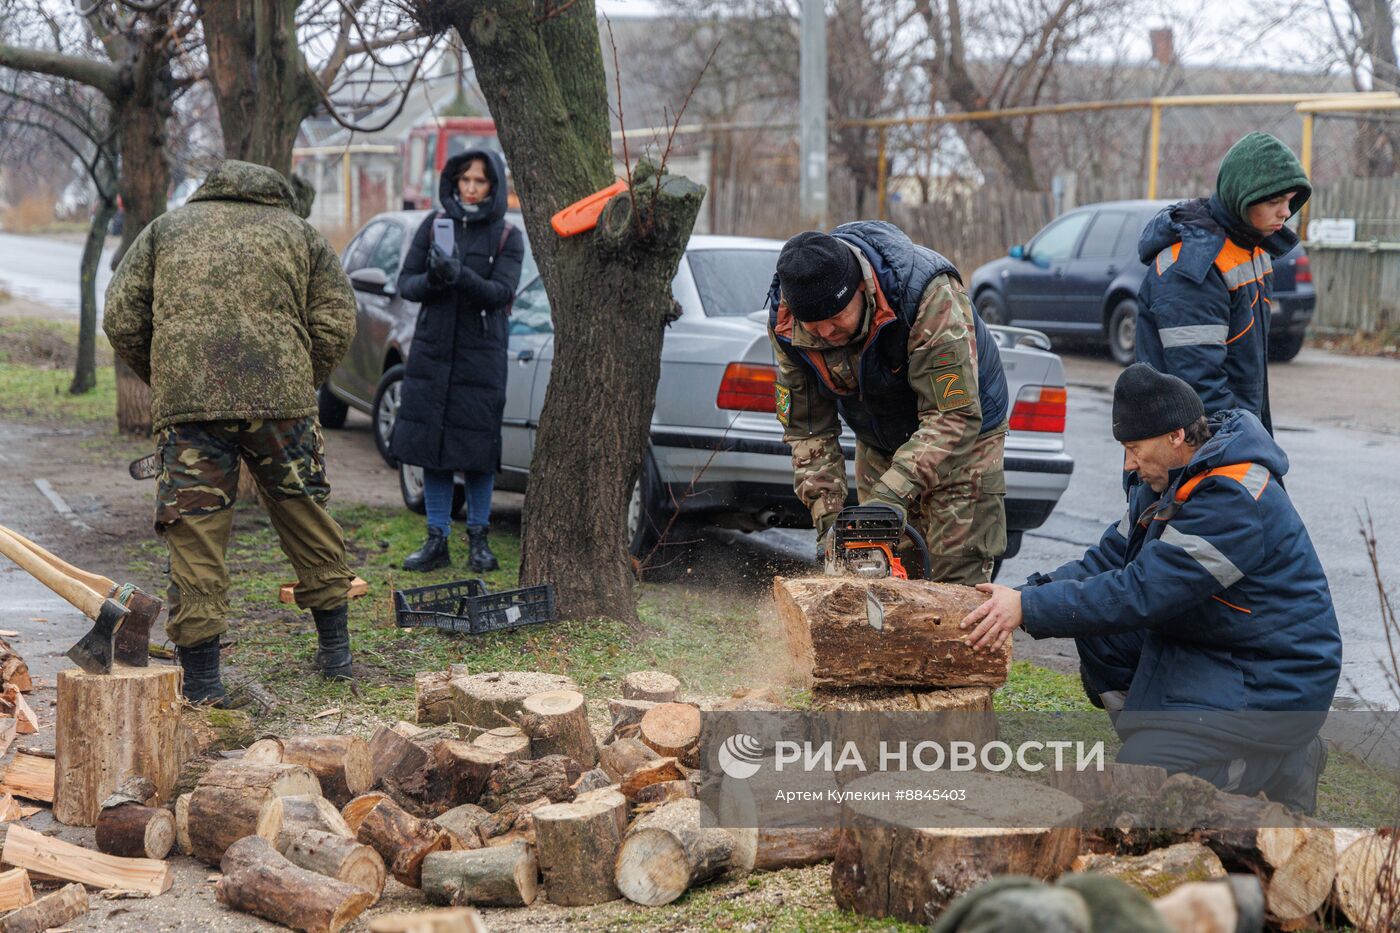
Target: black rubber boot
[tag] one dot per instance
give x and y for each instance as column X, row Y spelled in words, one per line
column 333, row 637
column 480, row 556
column 202, row 684
column 431, row 556
column 1295, row 785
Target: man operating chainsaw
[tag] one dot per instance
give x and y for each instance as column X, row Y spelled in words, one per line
column 235, row 309
column 871, row 329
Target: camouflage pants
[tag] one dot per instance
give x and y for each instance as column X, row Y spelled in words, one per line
column 199, row 469
column 963, row 519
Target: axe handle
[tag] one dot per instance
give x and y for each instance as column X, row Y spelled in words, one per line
column 92, row 581
column 87, row 601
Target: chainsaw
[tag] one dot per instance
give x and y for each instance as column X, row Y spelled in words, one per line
column 864, row 543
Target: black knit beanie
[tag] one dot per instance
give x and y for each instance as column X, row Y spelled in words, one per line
column 1147, row 403
column 818, row 274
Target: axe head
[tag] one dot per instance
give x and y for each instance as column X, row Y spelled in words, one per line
column 133, row 643
column 94, row 653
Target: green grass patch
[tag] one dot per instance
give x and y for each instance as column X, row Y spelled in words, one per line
column 36, row 368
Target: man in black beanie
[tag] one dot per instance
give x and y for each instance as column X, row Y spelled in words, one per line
column 1206, row 601
column 870, row 328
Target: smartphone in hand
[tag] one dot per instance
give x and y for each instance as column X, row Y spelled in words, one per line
column 443, row 236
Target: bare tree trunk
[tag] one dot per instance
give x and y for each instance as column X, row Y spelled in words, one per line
column 85, row 369
column 1375, row 147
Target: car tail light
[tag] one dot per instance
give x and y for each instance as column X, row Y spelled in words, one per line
column 1303, row 269
column 748, row 387
column 1039, row 408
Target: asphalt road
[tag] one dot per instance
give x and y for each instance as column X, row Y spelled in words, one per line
column 45, row 270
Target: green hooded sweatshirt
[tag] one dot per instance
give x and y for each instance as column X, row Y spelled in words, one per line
column 1258, row 167
column 232, row 307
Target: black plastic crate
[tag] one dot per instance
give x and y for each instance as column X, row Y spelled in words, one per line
column 466, row 606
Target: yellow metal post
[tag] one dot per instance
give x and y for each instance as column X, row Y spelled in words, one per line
column 881, row 168
column 1154, row 144
column 1306, row 158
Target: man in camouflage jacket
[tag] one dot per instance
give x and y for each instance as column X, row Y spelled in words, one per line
column 234, row 309
column 871, row 329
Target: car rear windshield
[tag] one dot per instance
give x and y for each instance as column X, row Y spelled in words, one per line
column 732, row 282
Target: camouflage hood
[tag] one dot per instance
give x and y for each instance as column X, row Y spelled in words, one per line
column 243, row 181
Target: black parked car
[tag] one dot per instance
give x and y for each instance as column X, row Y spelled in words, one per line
column 1080, row 275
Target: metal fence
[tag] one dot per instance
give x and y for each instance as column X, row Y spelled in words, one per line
column 1358, row 283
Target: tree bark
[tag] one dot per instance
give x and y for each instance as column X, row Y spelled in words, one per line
column 557, row 723
column 504, row 876
column 49, row 912
column 667, row 852
column 1295, row 857
column 85, row 367
column 306, row 811
column 340, row 762
column 260, row 881
column 520, row 782
column 236, row 799
column 578, row 845
column 402, row 839
column 624, row 756
column 1159, row 871
column 337, row 857
column 134, row 831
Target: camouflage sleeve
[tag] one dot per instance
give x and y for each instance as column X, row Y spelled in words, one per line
column 943, row 374
column 330, row 310
column 127, row 315
column 813, row 430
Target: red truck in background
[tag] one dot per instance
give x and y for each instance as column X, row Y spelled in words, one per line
column 428, row 147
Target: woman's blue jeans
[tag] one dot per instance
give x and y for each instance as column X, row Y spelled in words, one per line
column 437, row 498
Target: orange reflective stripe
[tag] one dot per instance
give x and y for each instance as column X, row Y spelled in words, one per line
column 1241, row 333
column 1249, row 612
column 1231, row 256
column 1235, row 471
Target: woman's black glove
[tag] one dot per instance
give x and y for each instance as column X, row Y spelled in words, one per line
column 442, row 268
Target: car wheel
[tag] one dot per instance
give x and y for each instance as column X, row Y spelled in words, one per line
column 647, row 510
column 1122, row 332
column 330, row 410
column 411, row 489
column 1284, row 348
column 385, row 410
column 991, row 308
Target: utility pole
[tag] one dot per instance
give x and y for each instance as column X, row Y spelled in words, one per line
column 813, row 106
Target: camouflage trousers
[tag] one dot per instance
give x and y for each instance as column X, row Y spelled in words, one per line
column 200, row 464
column 963, row 519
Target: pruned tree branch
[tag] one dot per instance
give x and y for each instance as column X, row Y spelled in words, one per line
column 100, row 75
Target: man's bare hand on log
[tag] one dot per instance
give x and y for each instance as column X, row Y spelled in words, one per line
column 993, row 621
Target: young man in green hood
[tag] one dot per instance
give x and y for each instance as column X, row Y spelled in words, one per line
column 1206, row 300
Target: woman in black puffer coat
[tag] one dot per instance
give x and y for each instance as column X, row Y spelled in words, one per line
column 454, row 386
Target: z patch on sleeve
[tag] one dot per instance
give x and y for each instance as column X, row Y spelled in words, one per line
column 952, row 388
column 782, row 398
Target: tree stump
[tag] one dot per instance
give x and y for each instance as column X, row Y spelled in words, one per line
column 507, row 741
column 504, row 876
column 432, row 692
column 667, row 852
column 236, row 799
column 557, row 723
column 845, row 632
column 672, row 730
column 258, row 880
column 578, row 845
column 497, row 698
column 304, row 812
column 109, row 727
column 624, row 756
column 402, row 839
column 886, row 867
column 453, row 920
column 520, row 782
column 135, row 831
column 338, row 857
column 49, row 912
column 653, row 686
column 341, row 763
column 1159, row 871
column 1367, row 888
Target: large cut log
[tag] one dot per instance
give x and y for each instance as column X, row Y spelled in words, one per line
column 13, row 670
column 402, row 839
column 1367, row 888
column 135, row 831
column 900, row 700
column 663, row 792
column 653, row 772
column 578, row 845
column 513, row 821
column 432, row 691
column 259, row 880
column 456, row 773
column 557, row 723
column 239, row 798
column 672, row 730
column 503, row 876
column 109, row 727
column 508, row 741
column 667, row 852
column 497, row 698
column 304, row 812
column 654, row 686
column 338, row 857
column 591, row 780
column 451, row 920
column 46, row 855
column 182, row 825
column 842, row 631
column 780, row 847
column 1159, row 871
column 355, row 811
column 52, row 911
column 619, row 759
column 15, row 890
column 394, row 756
column 340, row 762
column 627, row 717
column 888, row 866
column 1113, row 780
column 30, row 776
column 520, row 782
column 462, row 823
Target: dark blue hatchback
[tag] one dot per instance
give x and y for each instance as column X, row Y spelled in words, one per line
column 1079, row 276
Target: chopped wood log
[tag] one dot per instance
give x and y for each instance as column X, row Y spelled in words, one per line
column 626, row 717
column 138, row 711
column 13, row 670
column 667, row 852
column 395, row 760
column 1366, row 890
column 341, row 763
column 8, row 730
column 1233, row 906
column 182, row 825
column 899, row 699
column 557, row 723
column 432, row 692
column 453, row 920
column 780, row 847
column 842, row 631
column 521, row 782
column 10, row 808
column 672, row 730
column 508, row 741
column 886, row 868
column 46, row 855
column 1115, row 780
column 624, row 756
column 338, row 857
column 30, row 776
column 654, row 772
column 654, row 686
column 456, row 773
column 496, row 698
column 240, row 798
column 591, row 780
column 52, row 911
column 462, row 822
column 135, row 831
column 355, row 811
column 15, row 890
column 1159, row 871
column 511, row 822
column 578, row 844
column 504, row 876
column 12, row 703
column 205, row 730
column 402, row 839
column 664, row 792
column 304, row 812
column 259, row 880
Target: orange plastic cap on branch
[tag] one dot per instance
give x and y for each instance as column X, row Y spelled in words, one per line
column 582, row 216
